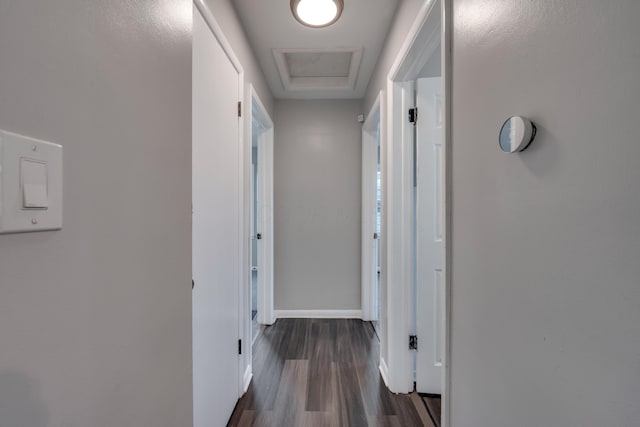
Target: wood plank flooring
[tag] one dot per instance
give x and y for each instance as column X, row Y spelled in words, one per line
column 433, row 404
column 322, row 372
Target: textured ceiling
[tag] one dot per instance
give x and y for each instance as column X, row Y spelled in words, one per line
column 318, row 64
column 307, row 63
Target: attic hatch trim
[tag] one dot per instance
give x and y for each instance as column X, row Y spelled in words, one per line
column 297, row 84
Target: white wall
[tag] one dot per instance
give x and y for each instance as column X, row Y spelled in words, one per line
column 546, row 243
column 317, row 174
column 95, row 320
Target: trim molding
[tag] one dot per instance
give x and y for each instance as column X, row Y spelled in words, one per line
column 447, row 96
column 317, row 83
column 246, row 380
column 318, row 314
column 384, row 371
column 219, row 35
column 265, row 204
column 371, row 139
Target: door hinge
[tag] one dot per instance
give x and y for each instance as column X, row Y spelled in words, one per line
column 413, row 115
column 375, row 236
column 239, row 108
column 239, row 346
column 413, row 342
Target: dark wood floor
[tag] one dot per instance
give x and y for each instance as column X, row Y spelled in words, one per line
column 321, row 372
column 433, row 404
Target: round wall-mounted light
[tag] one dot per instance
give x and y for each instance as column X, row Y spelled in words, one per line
column 317, row 13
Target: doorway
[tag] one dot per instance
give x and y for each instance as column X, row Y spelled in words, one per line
column 258, row 310
column 372, row 217
column 255, row 234
column 418, row 210
column 429, row 231
column 261, row 216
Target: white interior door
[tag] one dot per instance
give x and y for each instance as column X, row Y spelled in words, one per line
column 216, row 229
column 429, row 224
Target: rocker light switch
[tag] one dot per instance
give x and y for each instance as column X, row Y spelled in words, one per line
column 30, row 184
column 33, row 174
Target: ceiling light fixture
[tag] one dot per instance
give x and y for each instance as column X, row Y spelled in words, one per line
column 317, row 13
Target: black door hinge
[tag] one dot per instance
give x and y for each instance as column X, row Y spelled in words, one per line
column 259, row 236
column 239, row 108
column 413, row 115
column 239, row 346
column 413, row 342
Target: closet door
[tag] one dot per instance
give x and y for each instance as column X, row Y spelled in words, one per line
column 216, row 229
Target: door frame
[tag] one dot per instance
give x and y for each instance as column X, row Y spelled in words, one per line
column 368, row 251
column 255, row 109
column 431, row 27
column 243, row 247
column 266, row 314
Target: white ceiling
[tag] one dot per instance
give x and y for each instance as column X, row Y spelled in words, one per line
column 307, row 63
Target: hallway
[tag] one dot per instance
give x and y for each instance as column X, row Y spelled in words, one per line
column 126, row 258
column 322, row 372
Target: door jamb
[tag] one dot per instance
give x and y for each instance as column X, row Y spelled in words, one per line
column 368, row 272
column 266, row 314
column 243, row 247
column 431, row 26
column 265, row 226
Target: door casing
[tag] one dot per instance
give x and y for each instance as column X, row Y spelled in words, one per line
column 255, row 109
column 369, row 197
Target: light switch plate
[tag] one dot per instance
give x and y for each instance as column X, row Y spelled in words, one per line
column 34, row 184
column 15, row 150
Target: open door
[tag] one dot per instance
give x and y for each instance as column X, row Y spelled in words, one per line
column 429, row 229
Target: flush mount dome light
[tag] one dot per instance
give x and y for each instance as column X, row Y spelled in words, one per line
column 317, row 13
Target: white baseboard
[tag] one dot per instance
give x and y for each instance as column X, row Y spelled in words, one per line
column 246, row 380
column 253, row 340
column 384, row 371
column 318, row 314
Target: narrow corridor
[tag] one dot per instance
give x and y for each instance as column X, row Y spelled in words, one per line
column 321, row 372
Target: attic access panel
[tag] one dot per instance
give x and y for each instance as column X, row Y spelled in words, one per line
column 313, row 69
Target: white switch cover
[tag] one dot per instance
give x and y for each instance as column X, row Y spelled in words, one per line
column 30, row 184
column 33, row 178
